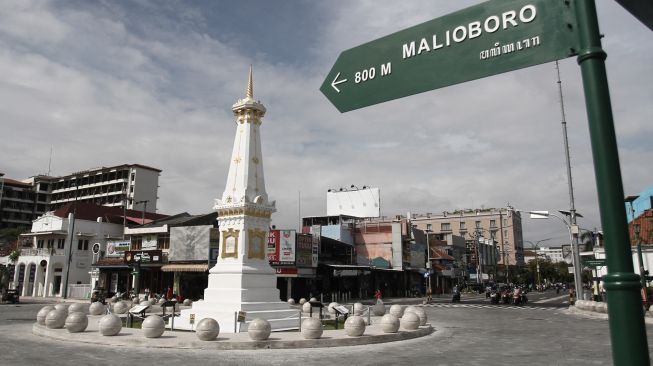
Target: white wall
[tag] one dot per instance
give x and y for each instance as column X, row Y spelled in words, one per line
column 146, row 185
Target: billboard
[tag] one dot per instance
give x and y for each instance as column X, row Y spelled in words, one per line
column 281, row 247
column 304, row 250
column 357, row 202
column 117, row 248
column 188, row 243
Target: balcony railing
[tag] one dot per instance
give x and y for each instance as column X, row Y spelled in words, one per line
column 43, row 252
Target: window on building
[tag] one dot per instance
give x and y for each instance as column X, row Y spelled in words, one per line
column 429, row 227
column 137, row 242
column 505, row 233
column 163, row 241
column 493, row 223
column 477, row 224
column 61, row 243
column 462, row 225
column 82, row 244
column 39, row 243
column 50, row 243
column 133, row 177
column 445, row 226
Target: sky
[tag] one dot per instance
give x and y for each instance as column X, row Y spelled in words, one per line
column 104, row 83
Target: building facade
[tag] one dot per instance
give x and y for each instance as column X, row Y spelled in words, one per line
column 501, row 225
column 129, row 186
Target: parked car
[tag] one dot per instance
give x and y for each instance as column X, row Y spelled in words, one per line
column 10, row 296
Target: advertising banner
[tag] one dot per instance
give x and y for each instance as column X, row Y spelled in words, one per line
column 287, row 247
column 304, row 252
column 274, row 238
column 317, row 237
column 149, row 256
column 118, row 248
column 188, row 243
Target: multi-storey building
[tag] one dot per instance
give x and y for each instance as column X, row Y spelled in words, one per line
column 131, row 186
column 22, row 201
column 502, row 225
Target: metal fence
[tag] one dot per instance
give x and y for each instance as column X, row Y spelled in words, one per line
column 82, row 291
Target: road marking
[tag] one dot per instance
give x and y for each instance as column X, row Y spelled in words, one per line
column 480, row 306
column 550, row 300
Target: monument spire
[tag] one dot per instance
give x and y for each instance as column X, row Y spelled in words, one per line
column 250, row 84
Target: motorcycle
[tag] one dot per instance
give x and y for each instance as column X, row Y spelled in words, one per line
column 456, row 296
column 494, row 297
column 519, row 297
column 505, row 297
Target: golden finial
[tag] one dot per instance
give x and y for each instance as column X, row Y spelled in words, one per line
column 250, row 84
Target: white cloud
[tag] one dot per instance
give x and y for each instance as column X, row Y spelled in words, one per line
column 109, row 84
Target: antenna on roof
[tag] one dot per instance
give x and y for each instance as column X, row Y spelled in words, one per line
column 50, row 162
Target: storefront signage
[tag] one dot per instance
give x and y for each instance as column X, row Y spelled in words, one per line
column 149, row 242
column 486, row 39
column 143, row 256
column 273, row 246
column 117, row 248
column 304, row 252
column 317, row 236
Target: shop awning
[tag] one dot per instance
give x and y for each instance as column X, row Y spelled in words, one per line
column 191, row 267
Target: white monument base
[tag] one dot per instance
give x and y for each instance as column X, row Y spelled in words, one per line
column 236, row 286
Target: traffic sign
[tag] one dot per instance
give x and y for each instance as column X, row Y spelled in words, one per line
column 483, row 40
column 594, row 262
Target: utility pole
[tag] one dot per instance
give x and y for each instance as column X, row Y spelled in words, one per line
column 572, row 209
column 71, row 233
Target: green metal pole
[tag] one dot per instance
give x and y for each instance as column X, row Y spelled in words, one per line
column 626, row 318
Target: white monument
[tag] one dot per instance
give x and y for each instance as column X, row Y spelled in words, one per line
column 242, row 279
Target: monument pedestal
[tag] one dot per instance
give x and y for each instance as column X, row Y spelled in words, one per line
column 236, row 286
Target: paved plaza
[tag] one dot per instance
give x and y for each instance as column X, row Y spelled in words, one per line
column 465, row 334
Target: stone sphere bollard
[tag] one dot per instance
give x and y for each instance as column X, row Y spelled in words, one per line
column 302, row 301
column 115, row 299
column 146, row 303
column 207, row 329
column 78, row 307
column 306, row 307
column 187, row 302
column 602, row 308
column 421, row 314
column 136, row 300
column 410, row 321
column 378, row 309
column 312, row 328
column 97, row 308
column 40, row 317
column 390, row 323
column 76, row 322
column 55, row 319
column 153, row 326
column 397, row 311
column 355, row 326
column 120, row 307
column 291, row 301
column 162, row 300
column 358, row 308
column 259, row 329
column 331, row 309
column 313, row 299
column 110, row 325
column 63, row 307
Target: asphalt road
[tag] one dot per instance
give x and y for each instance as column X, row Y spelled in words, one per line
column 470, row 333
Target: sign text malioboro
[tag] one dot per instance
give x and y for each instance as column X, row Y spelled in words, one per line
column 487, row 39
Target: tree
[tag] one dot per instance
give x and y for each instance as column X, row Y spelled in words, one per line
column 13, row 257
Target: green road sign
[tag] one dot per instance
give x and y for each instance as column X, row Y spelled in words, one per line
column 594, row 263
column 483, row 40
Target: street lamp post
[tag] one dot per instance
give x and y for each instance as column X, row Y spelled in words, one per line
column 429, row 265
column 537, row 263
column 574, row 244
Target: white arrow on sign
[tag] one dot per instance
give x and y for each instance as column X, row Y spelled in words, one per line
column 334, row 82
